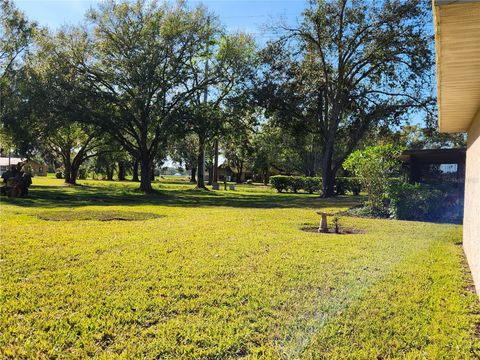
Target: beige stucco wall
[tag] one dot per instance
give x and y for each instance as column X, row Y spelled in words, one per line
column 471, row 220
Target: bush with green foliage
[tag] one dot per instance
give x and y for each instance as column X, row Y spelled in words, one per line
column 82, row 173
column 354, row 185
column 280, row 182
column 312, row 184
column 373, row 166
column 368, row 212
column 296, row 183
column 415, row 201
column 340, row 186
column 347, row 184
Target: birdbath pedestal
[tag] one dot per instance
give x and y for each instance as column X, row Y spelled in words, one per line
column 323, row 222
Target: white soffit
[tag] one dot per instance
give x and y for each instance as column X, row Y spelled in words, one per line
column 457, row 44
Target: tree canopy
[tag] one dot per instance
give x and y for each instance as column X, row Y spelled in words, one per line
column 142, row 81
column 347, row 67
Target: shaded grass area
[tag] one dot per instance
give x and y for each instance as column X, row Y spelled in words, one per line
column 225, row 275
column 98, row 215
column 53, row 193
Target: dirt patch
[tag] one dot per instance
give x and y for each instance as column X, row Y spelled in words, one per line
column 96, row 215
column 106, row 341
column 476, row 332
column 341, row 231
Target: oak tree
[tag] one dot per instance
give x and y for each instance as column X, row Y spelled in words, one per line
column 347, row 67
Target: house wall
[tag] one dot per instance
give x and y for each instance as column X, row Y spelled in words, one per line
column 471, row 219
column 38, row 169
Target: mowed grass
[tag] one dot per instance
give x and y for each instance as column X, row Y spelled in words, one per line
column 224, row 275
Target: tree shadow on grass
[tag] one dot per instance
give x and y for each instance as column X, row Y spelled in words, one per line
column 88, row 195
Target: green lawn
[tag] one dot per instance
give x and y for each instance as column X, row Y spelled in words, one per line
column 223, row 275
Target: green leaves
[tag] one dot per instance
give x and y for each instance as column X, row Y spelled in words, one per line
column 422, row 202
column 348, row 68
column 373, row 166
column 15, row 36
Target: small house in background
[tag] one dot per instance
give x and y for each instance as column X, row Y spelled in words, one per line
column 232, row 174
column 37, row 168
column 441, row 168
column 435, row 166
column 225, row 171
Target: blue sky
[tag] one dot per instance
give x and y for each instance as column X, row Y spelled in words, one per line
column 236, row 15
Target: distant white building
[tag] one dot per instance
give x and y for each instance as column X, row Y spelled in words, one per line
column 6, row 162
column 37, row 168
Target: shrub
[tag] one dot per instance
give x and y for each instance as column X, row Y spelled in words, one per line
column 354, row 186
column 336, row 224
column 368, row 212
column 296, row 183
column 59, row 174
column 340, row 186
column 344, row 184
column 373, row 166
column 280, row 182
column 415, row 201
column 82, row 173
column 312, row 184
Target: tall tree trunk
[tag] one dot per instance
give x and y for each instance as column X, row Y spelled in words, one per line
column 240, row 173
column 201, row 165
column 67, row 164
column 193, row 173
column 210, row 174
column 74, row 174
column 328, row 177
column 265, row 177
column 75, row 167
column 121, row 170
column 135, row 171
column 328, row 183
column 146, row 168
column 110, row 171
column 152, row 173
column 215, row 161
column 328, row 173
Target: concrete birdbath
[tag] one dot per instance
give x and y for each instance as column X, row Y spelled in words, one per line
column 323, row 222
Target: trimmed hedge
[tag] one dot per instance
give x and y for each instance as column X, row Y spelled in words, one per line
column 350, row 184
column 313, row 184
column 280, row 182
column 296, row 183
column 354, row 185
